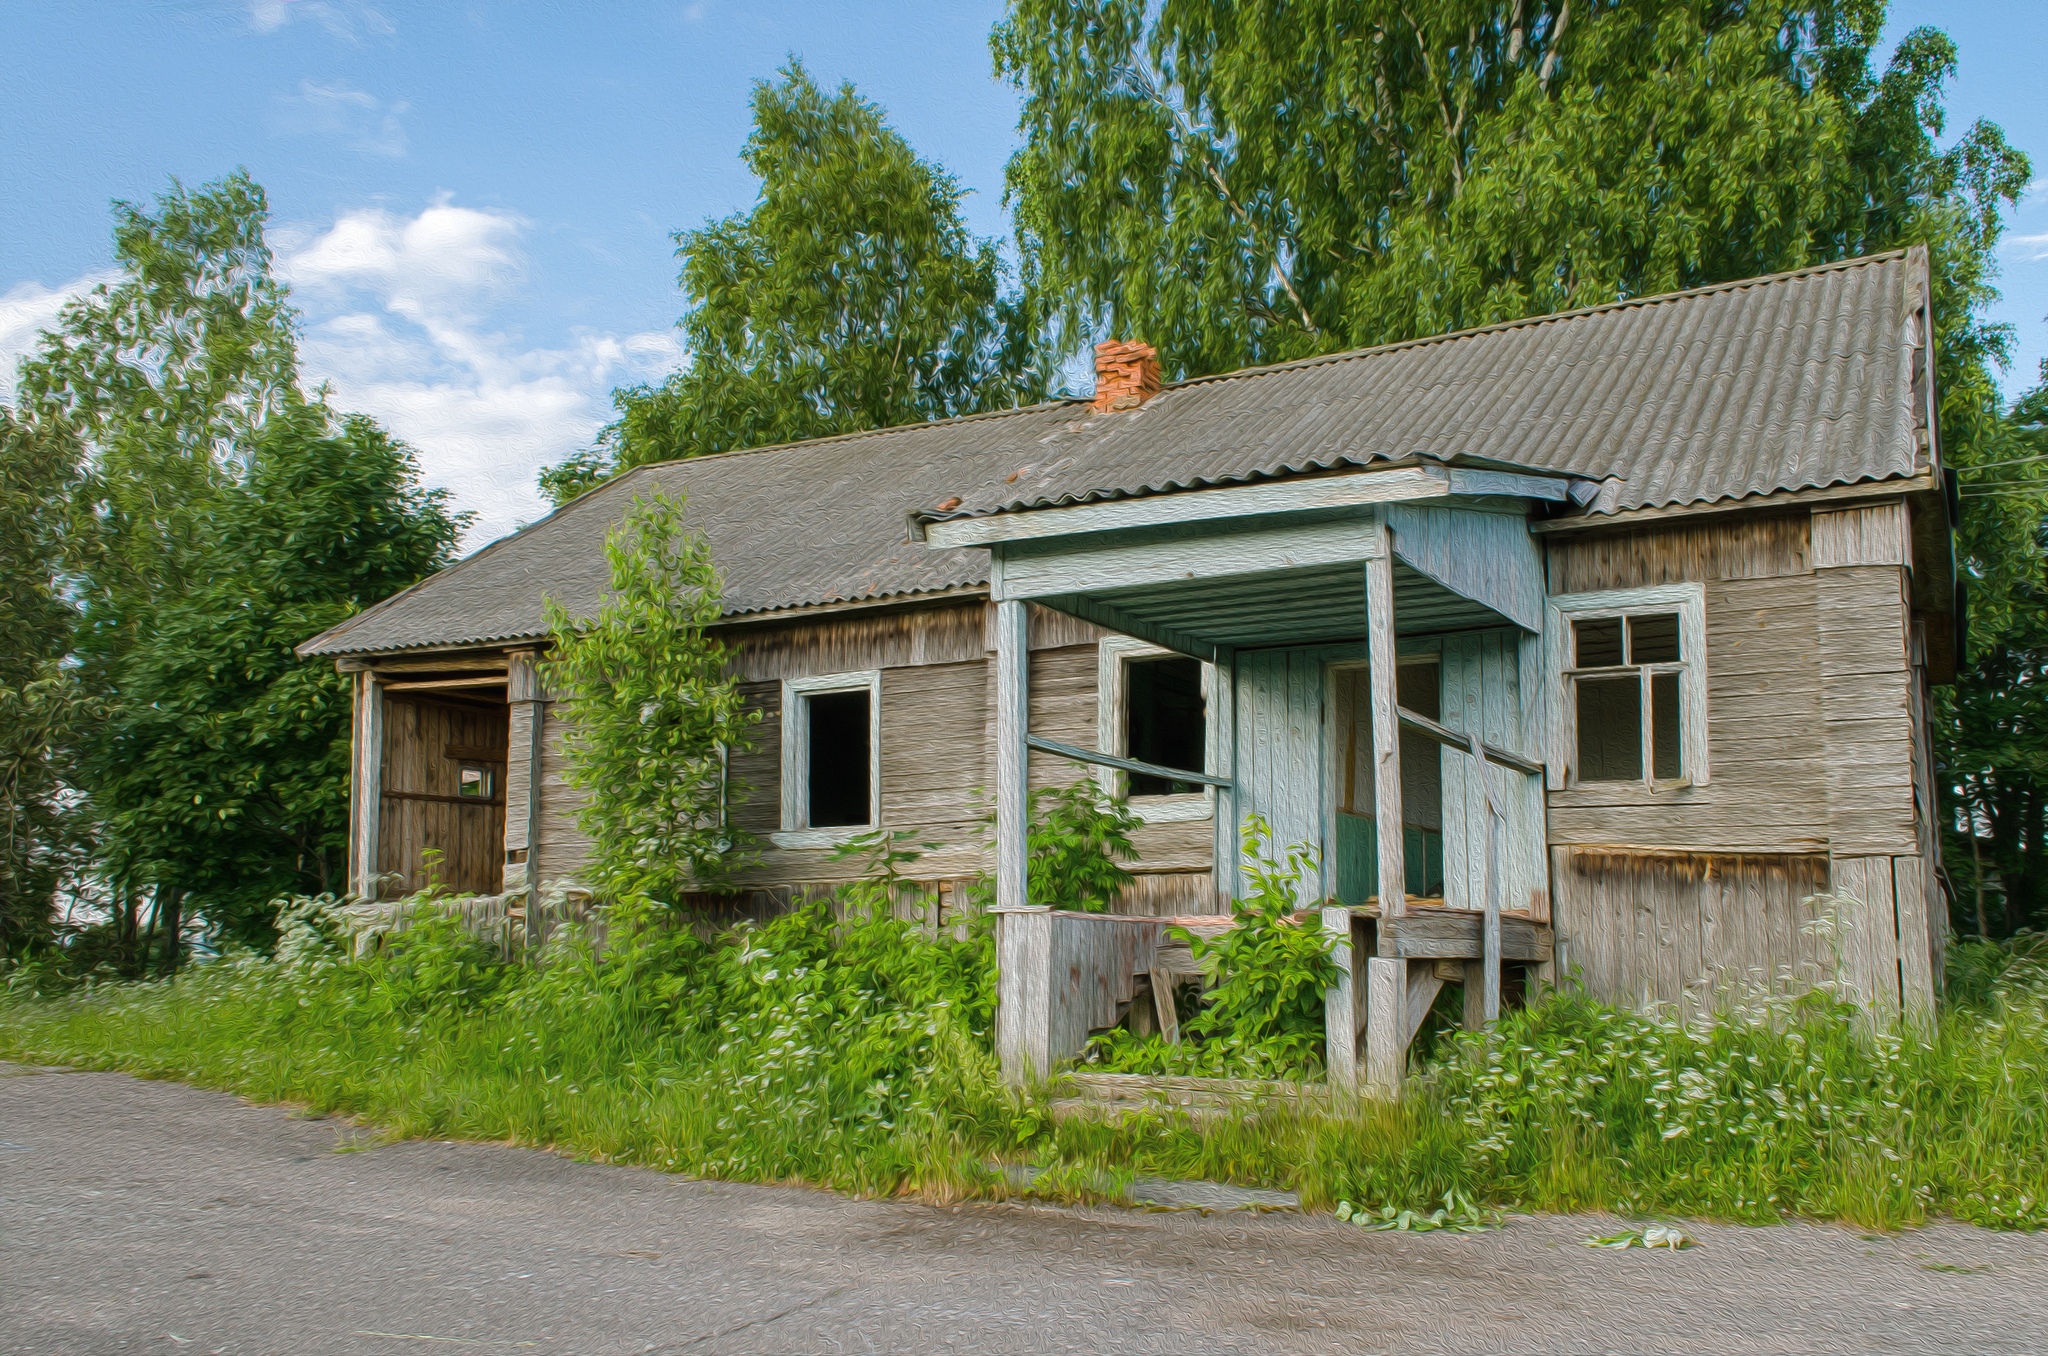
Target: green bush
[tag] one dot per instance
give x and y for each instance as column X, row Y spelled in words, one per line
column 1262, row 1017
column 839, row 1045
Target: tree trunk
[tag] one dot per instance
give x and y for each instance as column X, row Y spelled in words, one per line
column 170, row 913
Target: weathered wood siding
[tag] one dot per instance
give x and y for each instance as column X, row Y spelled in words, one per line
column 1280, row 748
column 564, row 848
column 1866, row 721
column 1700, row 934
column 1689, row 933
column 418, row 734
column 937, row 751
column 1485, row 689
column 1763, row 547
column 1817, row 740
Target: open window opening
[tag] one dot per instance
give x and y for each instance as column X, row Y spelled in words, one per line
column 829, row 744
column 1631, row 685
column 837, row 760
column 1153, row 707
column 1165, row 720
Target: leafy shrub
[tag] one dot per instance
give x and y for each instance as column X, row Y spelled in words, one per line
column 1262, row 1016
column 1075, row 842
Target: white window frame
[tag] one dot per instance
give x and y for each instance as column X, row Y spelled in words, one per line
column 1112, row 660
column 1689, row 601
column 796, row 831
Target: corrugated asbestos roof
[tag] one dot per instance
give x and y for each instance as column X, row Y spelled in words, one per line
column 790, row 526
column 1789, row 382
column 1780, row 383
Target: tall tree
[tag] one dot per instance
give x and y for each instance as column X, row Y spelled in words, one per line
column 1250, row 182
column 42, row 828
column 164, row 376
column 1993, row 740
column 216, row 516
column 221, row 774
column 851, row 297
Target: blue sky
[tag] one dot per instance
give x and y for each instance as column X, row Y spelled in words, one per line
column 473, row 202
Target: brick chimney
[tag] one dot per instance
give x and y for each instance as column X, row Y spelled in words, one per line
column 1126, row 374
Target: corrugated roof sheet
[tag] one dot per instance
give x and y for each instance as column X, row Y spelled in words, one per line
column 790, row 526
column 1788, row 382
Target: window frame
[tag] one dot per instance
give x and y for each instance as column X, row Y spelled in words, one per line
column 795, row 735
column 1112, row 733
column 1689, row 601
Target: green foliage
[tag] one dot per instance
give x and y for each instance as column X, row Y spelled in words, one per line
column 654, row 711
column 165, row 376
column 211, row 516
column 851, row 297
column 42, row 829
column 1075, row 842
column 223, row 768
column 1262, row 1016
column 1993, row 742
column 1245, row 183
column 838, row 1046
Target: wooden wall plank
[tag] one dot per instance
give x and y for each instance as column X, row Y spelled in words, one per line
column 1878, row 534
column 1866, row 720
column 1764, row 734
column 1744, row 547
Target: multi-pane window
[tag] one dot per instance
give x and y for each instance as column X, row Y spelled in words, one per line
column 1631, row 685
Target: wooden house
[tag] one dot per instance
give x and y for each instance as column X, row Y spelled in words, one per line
column 1598, row 643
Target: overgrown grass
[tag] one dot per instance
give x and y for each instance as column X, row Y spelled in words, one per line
column 855, row 1055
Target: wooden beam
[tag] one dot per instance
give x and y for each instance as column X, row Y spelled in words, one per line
column 1386, row 740
column 1112, row 618
column 1459, row 934
column 447, row 684
column 1429, row 729
column 1080, row 755
column 1832, row 494
column 1013, row 759
column 366, row 784
column 1386, row 1013
column 1187, row 559
column 1223, row 699
column 1307, row 494
column 493, row 663
column 1340, row 1003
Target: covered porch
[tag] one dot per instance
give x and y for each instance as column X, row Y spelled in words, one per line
column 1374, row 640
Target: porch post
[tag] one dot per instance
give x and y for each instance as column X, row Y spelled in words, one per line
column 1023, row 934
column 366, row 784
column 1386, row 725
column 1013, row 758
column 1386, row 977
column 1223, row 874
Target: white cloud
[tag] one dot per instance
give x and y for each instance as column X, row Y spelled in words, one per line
column 349, row 22
column 28, row 309
column 358, row 120
column 400, row 322
column 2031, row 249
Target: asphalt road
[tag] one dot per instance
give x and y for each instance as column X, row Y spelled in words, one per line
column 152, row 1217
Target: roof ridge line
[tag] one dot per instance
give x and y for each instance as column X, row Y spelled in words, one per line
column 1548, row 317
